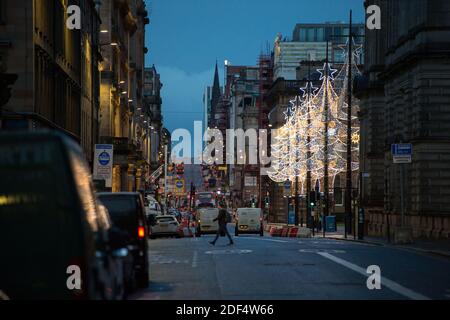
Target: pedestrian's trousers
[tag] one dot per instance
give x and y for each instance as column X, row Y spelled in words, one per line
column 222, row 228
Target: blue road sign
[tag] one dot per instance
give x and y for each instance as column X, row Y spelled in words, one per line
column 287, row 184
column 291, row 214
column 179, row 184
column 401, row 149
column 104, row 158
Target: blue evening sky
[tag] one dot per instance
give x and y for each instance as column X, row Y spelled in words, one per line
column 185, row 37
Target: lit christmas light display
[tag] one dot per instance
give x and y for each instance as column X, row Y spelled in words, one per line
column 315, row 132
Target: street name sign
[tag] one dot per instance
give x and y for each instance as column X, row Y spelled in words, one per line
column 401, row 152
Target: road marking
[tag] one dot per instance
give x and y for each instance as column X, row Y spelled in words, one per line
column 159, row 259
column 262, row 239
column 321, row 250
column 228, row 251
column 394, row 286
column 194, row 259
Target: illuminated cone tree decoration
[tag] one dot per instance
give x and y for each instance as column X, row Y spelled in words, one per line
column 315, row 131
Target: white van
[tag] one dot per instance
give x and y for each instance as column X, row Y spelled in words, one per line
column 249, row 220
column 205, row 223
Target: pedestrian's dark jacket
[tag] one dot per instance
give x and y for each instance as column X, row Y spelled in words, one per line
column 222, row 217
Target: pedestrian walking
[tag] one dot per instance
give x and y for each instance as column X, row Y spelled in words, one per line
column 222, row 220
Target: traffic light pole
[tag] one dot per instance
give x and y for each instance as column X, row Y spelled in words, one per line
column 348, row 193
column 165, row 179
column 296, row 202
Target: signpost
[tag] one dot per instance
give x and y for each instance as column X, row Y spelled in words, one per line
column 179, row 187
column 103, row 163
column 401, row 154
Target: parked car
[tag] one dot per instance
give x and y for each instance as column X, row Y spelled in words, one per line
column 153, row 207
column 165, row 225
column 123, row 258
column 54, row 239
column 128, row 214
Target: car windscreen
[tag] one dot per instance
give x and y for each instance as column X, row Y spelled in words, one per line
column 205, row 205
column 123, row 211
column 165, row 219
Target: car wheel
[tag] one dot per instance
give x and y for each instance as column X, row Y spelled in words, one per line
column 121, row 292
column 131, row 283
column 236, row 231
column 142, row 279
column 198, row 232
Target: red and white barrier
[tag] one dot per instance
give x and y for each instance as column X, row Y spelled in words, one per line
column 275, row 231
column 291, row 232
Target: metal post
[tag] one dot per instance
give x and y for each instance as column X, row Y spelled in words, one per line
column 296, row 202
column 402, row 194
column 355, row 219
column 325, row 177
column 348, row 195
column 165, row 179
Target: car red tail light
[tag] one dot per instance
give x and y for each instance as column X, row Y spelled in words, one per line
column 141, row 232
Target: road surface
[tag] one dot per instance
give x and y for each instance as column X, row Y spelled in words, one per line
column 289, row 268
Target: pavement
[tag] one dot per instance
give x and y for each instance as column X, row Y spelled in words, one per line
column 269, row 268
column 437, row 247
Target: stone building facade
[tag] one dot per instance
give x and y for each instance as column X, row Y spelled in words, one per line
column 152, row 108
column 123, row 120
column 405, row 97
column 56, row 68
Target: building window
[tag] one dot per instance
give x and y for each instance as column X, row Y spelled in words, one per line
column 311, row 34
column 303, row 35
column 320, row 34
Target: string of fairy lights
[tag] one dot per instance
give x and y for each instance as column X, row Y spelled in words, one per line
column 301, row 145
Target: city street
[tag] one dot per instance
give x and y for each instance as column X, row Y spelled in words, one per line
column 317, row 133
column 288, row 268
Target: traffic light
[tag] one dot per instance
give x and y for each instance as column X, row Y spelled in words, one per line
column 312, row 199
column 180, row 168
column 266, row 202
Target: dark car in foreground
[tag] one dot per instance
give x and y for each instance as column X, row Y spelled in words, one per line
column 127, row 213
column 54, row 239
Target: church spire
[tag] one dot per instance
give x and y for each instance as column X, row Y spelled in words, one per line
column 215, row 94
